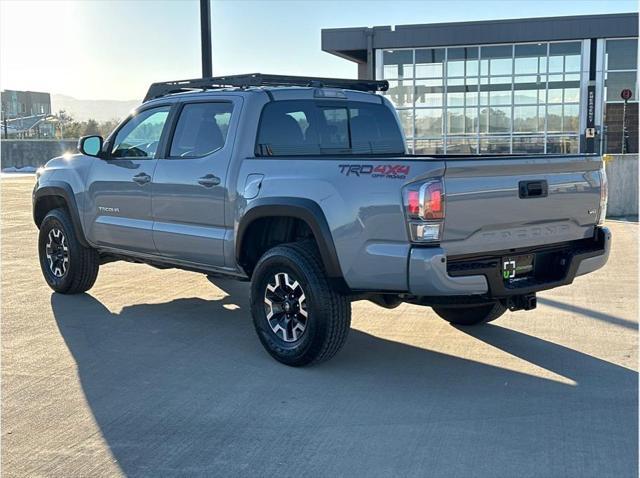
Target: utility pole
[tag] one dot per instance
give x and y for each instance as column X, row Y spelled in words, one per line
column 205, row 35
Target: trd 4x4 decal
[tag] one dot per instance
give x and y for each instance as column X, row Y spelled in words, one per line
column 391, row 171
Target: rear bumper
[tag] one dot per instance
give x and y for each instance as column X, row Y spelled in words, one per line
column 433, row 274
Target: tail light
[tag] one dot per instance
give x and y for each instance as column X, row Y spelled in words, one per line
column 604, row 196
column 424, row 207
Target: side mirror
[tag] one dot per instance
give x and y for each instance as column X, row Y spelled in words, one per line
column 90, row 145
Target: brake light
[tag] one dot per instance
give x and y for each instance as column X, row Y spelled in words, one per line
column 604, row 196
column 424, row 206
column 433, row 205
column 413, row 203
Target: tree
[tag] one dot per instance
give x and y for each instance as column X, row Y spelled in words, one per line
column 91, row 128
column 63, row 120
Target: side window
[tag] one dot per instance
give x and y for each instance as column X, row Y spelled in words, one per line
column 201, row 130
column 140, row 136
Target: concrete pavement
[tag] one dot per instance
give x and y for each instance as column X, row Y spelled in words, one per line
column 159, row 373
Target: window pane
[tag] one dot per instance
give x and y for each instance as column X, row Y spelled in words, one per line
column 471, row 120
column 616, row 82
column 429, row 63
column 554, row 95
column 554, row 118
column 622, row 54
column 500, row 98
column 334, row 133
column 400, row 93
column 571, row 95
column 429, row 92
column 471, row 98
column 455, row 68
column 562, row 144
column 406, row 121
column 495, row 145
column 525, row 96
column 429, row 146
column 462, row 145
column 397, row 64
column 570, row 118
column 528, row 144
column 201, row 129
column 499, row 120
column 140, row 136
column 526, row 66
column 572, row 63
column 455, row 123
column 374, row 129
column 525, row 119
column 455, row 99
column 428, row 122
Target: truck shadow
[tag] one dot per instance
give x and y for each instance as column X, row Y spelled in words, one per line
column 184, row 388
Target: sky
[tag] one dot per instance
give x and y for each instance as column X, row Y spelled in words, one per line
column 113, row 49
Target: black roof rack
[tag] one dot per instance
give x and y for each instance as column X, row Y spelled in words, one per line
column 158, row 90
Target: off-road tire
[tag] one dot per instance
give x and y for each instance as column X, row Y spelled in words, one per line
column 328, row 312
column 83, row 262
column 473, row 315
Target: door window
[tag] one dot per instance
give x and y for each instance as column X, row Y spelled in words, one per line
column 140, row 136
column 201, row 130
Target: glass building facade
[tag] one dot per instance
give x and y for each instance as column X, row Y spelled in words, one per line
column 525, row 85
column 620, row 73
column 487, row 99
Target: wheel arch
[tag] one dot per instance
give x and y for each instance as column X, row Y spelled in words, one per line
column 54, row 195
column 305, row 210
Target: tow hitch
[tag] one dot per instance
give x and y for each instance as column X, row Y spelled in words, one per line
column 522, row 302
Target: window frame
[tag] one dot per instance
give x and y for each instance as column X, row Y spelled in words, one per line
column 325, row 103
column 107, row 148
column 174, row 125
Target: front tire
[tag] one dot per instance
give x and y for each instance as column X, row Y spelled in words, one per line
column 67, row 266
column 473, row 315
column 298, row 317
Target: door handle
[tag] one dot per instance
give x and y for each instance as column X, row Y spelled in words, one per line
column 142, row 178
column 533, row 189
column 209, row 180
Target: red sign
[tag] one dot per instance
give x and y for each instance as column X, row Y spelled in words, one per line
column 626, row 94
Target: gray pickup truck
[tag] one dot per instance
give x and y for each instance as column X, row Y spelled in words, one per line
column 303, row 186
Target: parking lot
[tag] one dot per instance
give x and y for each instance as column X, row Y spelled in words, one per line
column 159, row 373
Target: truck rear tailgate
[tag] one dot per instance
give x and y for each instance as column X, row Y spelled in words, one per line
column 503, row 203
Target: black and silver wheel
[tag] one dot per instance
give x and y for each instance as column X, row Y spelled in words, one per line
column 299, row 318
column 57, row 252
column 471, row 315
column 67, row 266
column 285, row 305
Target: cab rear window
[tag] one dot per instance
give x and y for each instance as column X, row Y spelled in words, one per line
column 311, row 128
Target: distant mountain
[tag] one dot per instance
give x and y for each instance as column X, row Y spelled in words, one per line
column 99, row 110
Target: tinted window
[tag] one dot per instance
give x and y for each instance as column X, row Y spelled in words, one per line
column 139, row 137
column 201, row 129
column 307, row 127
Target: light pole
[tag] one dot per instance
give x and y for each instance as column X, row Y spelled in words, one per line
column 205, row 37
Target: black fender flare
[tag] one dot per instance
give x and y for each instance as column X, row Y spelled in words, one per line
column 300, row 208
column 62, row 190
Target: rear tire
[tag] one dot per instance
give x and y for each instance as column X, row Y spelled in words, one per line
column 67, row 266
column 298, row 317
column 473, row 315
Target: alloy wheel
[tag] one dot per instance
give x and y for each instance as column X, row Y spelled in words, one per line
column 285, row 305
